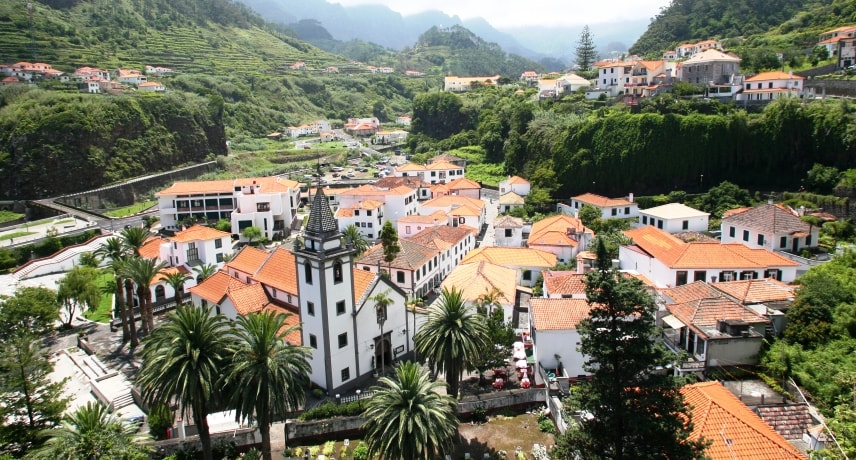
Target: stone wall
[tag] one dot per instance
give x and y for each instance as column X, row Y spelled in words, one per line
column 125, row 194
column 245, row 437
column 845, row 88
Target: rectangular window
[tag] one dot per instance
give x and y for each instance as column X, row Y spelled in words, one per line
column 313, row 341
column 627, row 211
column 310, row 308
column 369, row 213
column 508, row 233
column 192, row 252
column 219, row 257
column 808, row 240
column 746, row 235
column 356, row 212
column 218, row 243
column 346, row 374
column 700, row 275
column 681, row 278
column 660, row 224
column 783, row 242
column 407, row 229
column 340, row 307
column 732, row 231
column 527, row 275
column 685, row 225
column 760, row 239
column 644, row 220
column 343, row 340
column 614, row 212
column 726, row 276
column 399, row 277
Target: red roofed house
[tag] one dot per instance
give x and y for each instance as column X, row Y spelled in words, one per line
column 462, row 210
column 152, row 87
column 767, row 86
column 561, row 235
column 668, row 261
column 553, row 327
column 362, row 126
column 622, row 208
column 397, row 202
column 366, row 216
column 515, row 184
column 769, row 226
column 841, row 43
column 731, row 428
column 528, row 262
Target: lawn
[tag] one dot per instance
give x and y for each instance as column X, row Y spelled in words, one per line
column 103, row 313
column 9, row 236
column 8, row 216
column 131, row 210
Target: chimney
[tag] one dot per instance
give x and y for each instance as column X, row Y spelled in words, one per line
column 630, row 197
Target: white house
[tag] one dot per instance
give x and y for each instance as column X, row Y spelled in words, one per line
column 439, row 172
column 561, row 235
column 416, row 268
column 152, row 87
column 675, row 218
column 508, row 231
column 668, row 261
column 130, row 77
column 397, row 136
column 553, row 328
column 476, row 279
column 269, row 203
column 767, row 86
column 613, row 76
column 453, row 244
column 769, row 226
column 621, row 208
column 460, row 187
column 397, row 202
column 461, row 210
column 510, row 201
column 362, row 126
column 564, row 284
column 366, row 216
column 196, row 245
column 515, row 184
column 413, row 224
column 459, row 84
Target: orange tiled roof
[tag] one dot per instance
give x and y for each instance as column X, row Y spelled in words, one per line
column 442, row 237
column 689, row 292
column 465, row 210
column 373, row 190
column 404, row 181
column 411, row 257
column 508, row 222
column 733, row 430
column 151, row 248
column 476, row 278
column 517, row 180
column 215, row 286
column 675, row 253
column 777, row 75
column 279, row 271
column 757, row 291
column 439, row 216
column 553, row 231
column 511, row 198
column 454, row 200
column 438, row 165
column 295, row 337
column 198, row 233
column 564, row 282
column 512, row 257
column 248, row 298
column 462, row 183
column 557, row 314
column 166, row 272
column 702, row 315
column 268, row 185
column 248, row 260
column 768, row 217
column 601, row 201
column 363, row 280
column 407, row 167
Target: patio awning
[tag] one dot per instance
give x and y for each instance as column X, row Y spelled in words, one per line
column 673, row 322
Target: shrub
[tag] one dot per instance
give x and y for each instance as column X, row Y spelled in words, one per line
column 318, row 393
column 361, row 452
column 328, row 448
column 252, row 454
column 480, row 414
column 331, row 409
column 160, row 418
column 547, row 426
column 343, row 452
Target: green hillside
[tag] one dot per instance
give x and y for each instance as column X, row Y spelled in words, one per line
column 215, row 37
column 783, row 23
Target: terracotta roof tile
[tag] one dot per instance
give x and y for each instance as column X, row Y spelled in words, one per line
column 151, row 248
column 268, row 184
column 462, row 183
column 454, row 200
column 768, row 217
column 601, row 201
column 198, row 233
column 465, row 210
column 474, row 279
column 363, row 280
column 441, row 238
column 279, row 271
column 508, row 222
column 374, row 190
column 777, row 75
column 248, row 260
column 757, row 291
column 439, row 216
column 511, row 198
column 702, row 315
column 215, row 286
column 248, row 298
column 512, row 257
column 733, row 430
column 411, row 182
column 789, row 420
column 564, row 283
column 689, row 292
column 295, row 337
column 412, row 255
column 675, row 253
column 437, row 165
column 558, row 314
column 517, row 180
column 554, row 231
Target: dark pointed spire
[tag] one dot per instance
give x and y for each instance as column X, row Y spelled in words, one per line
column 321, row 221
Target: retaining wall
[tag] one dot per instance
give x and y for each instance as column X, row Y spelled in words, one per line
column 846, row 88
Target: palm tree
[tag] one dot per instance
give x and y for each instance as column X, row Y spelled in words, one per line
column 115, row 251
column 134, row 238
column 183, row 360
column 204, row 271
column 176, row 281
column 452, row 337
column 490, row 299
column 352, row 234
column 91, row 432
column 407, row 418
column 143, row 271
column 382, row 303
column 269, row 375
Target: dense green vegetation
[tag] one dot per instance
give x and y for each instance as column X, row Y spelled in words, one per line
column 796, row 23
column 53, row 143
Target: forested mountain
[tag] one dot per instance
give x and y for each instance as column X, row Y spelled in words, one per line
column 693, row 20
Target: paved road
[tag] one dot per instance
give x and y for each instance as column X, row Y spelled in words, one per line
column 491, row 199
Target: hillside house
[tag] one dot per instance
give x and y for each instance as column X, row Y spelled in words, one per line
column 397, row 136
column 769, row 226
column 458, row 187
column 363, row 127
column 152, row 87
column 840, row 43
column 397, row 202
column 610, row 208
column 613, row 76
column 403, row 120
column 415, row 223
column 553, row 326
column 529, row 76
column 159, row 71
column 527, row 262
column 460, row 84
column 563, row 236
column 674, row 218
column 767, row 86
column 476, row 279
column 462, row 210
column 439, row 172
column 710, row 67
column 516, row 184
column 366, row 216
column 508, row 231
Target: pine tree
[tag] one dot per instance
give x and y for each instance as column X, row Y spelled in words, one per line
column 586, row 51
column 389, row 242
column 636, row 412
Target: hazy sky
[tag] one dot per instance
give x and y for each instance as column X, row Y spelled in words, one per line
column 515, row 13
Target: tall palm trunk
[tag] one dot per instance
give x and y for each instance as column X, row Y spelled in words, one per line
column 200, row 417
column 141, row 298
column 120, row 308
column 150, row 313
column 129, row 312
column 264, row 428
